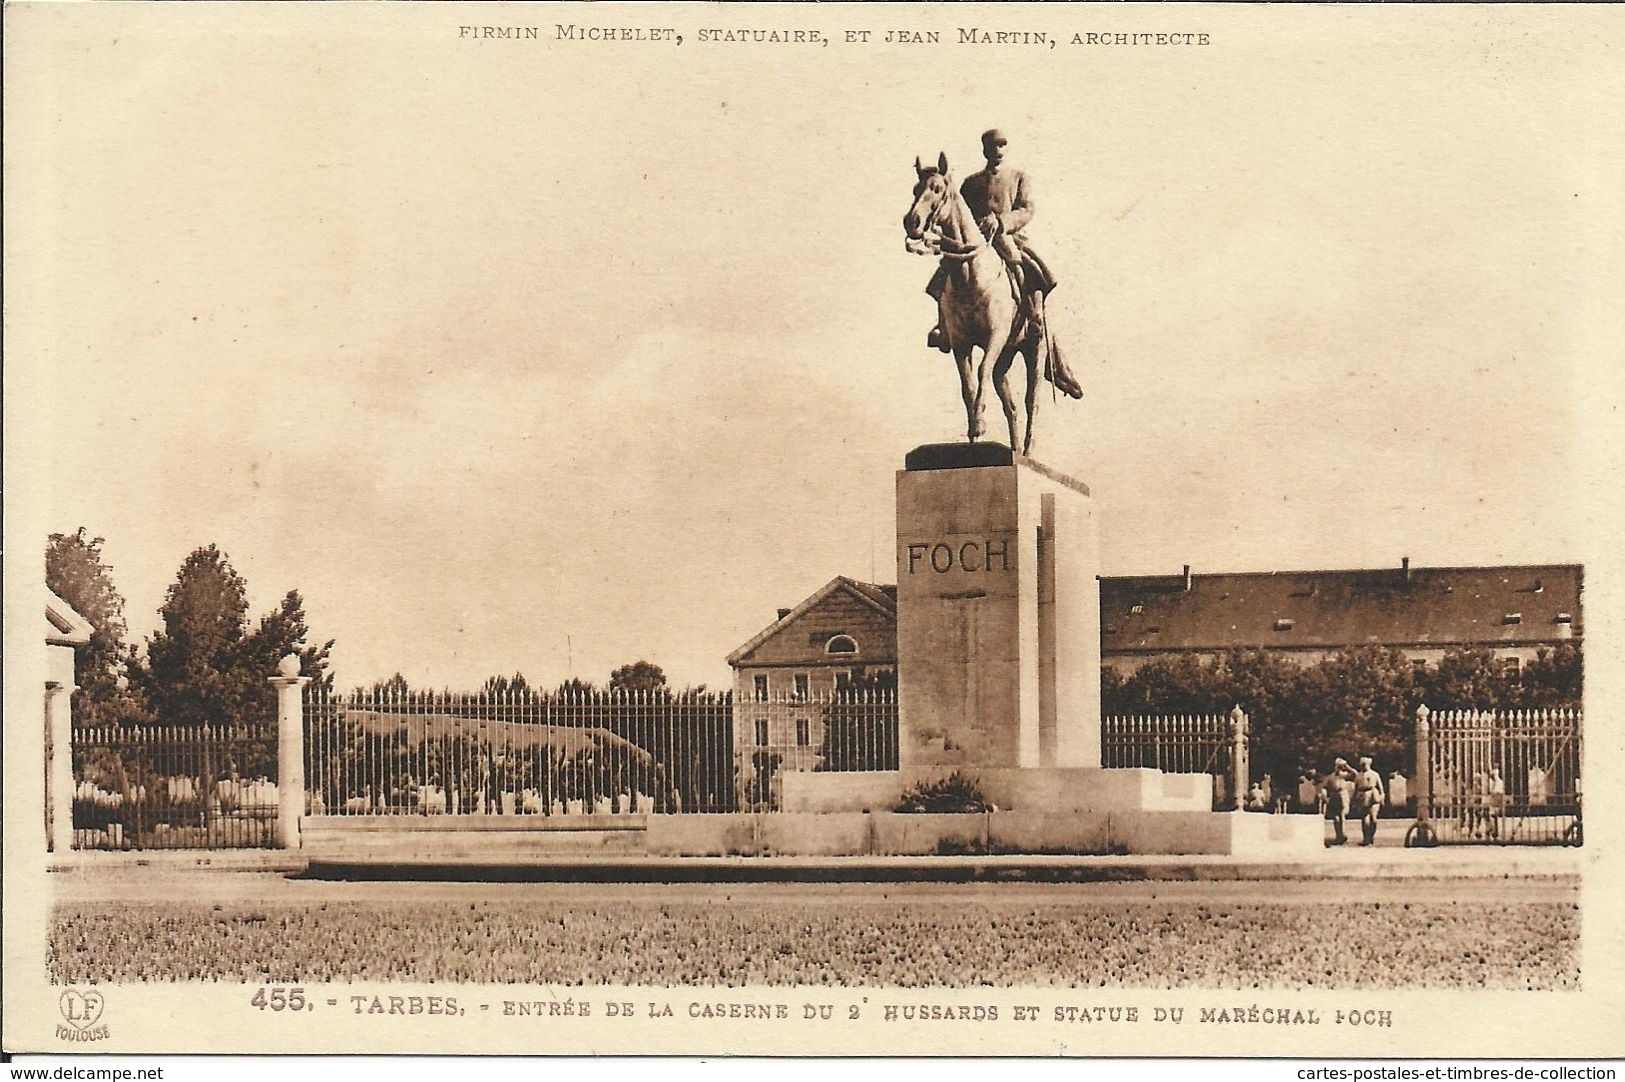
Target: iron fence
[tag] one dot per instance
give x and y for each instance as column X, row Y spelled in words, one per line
column 1510, row 777
column 518, row 754
column 579, row 753
column 175, row 787
column 1177, row 744
column 845, row 730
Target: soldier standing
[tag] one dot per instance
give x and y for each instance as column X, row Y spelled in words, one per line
column 1338, row 785
column 1368, row 797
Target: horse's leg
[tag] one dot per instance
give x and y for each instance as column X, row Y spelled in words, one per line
column 992, row 357
column 1035, row 377
column 968, row 387
column 979, row 422
column 1001, row 381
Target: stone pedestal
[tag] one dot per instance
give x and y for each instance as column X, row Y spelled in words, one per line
column 998, row 612
column 998, row 666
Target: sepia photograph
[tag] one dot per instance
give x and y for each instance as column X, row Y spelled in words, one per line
column 813, row 529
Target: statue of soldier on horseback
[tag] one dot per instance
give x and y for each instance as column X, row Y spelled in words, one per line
column 990, row 285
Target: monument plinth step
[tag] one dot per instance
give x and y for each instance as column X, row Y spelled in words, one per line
column 958, row 456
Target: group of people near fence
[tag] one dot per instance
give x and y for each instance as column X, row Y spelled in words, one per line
column 1353, row 793
column 1345, row 792
column 1479, row 800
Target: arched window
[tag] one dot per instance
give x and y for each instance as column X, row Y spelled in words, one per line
column 841, row 644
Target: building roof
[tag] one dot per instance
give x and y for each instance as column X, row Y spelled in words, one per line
column 63, row 624
column 1525, row 605
column 1402, row 606
column 883, row 599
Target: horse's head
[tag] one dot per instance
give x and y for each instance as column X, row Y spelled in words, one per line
column 933, row 193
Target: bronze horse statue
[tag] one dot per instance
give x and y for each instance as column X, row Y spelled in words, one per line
column 986, row 324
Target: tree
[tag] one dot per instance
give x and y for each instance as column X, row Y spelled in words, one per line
column 514, row 687
column 74, row 571
column 1176, row 685
column 575, row 689
column 281, row 632
column 860, row 724
column 205, row 666
column 1286, row 727
column 1554, row 678
column 1466, row 680
column 194, row 673
column 394, row 687
column 1368, row 698
column 642, row 676
column 1111, row 691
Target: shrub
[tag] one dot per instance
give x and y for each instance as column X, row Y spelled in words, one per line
column 953, row 794
column 94, row 815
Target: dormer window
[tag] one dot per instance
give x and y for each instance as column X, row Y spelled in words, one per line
column 1285, row 624
column 1512, row 618
column 1564, row 618
column 841, row 644
column 1137, row 610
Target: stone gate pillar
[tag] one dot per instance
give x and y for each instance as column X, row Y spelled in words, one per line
column 59, row 776
column 290, row 750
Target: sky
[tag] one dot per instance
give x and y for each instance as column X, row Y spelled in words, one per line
column 548, row 356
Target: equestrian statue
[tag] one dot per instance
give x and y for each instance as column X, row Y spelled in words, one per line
column 989, row 285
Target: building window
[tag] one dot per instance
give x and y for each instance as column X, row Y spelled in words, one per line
column 761, row 732
column 1284, row 624
column 761, row 689
column 841, row 644
column 1512, row 618
column 1136, row 610
column 1419, row 665
column 803, row 732
column 1511, row 668
column 803, row 686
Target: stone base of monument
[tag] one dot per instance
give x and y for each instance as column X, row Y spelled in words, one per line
column 1086, row 831
column 1040, row 810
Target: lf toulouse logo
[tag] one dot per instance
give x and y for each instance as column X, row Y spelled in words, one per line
column 82, row 1010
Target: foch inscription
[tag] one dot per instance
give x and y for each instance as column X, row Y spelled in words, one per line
column 975, row 556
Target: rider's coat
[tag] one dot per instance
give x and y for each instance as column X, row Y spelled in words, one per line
column 1007, row 193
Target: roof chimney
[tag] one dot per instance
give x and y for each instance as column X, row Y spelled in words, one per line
column 783, row 613
column 1186, row 575
column 1405, row 569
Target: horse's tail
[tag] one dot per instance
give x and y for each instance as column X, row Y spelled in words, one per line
column 1056, row 370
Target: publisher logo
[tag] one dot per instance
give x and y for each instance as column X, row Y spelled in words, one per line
column 83, row 1010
